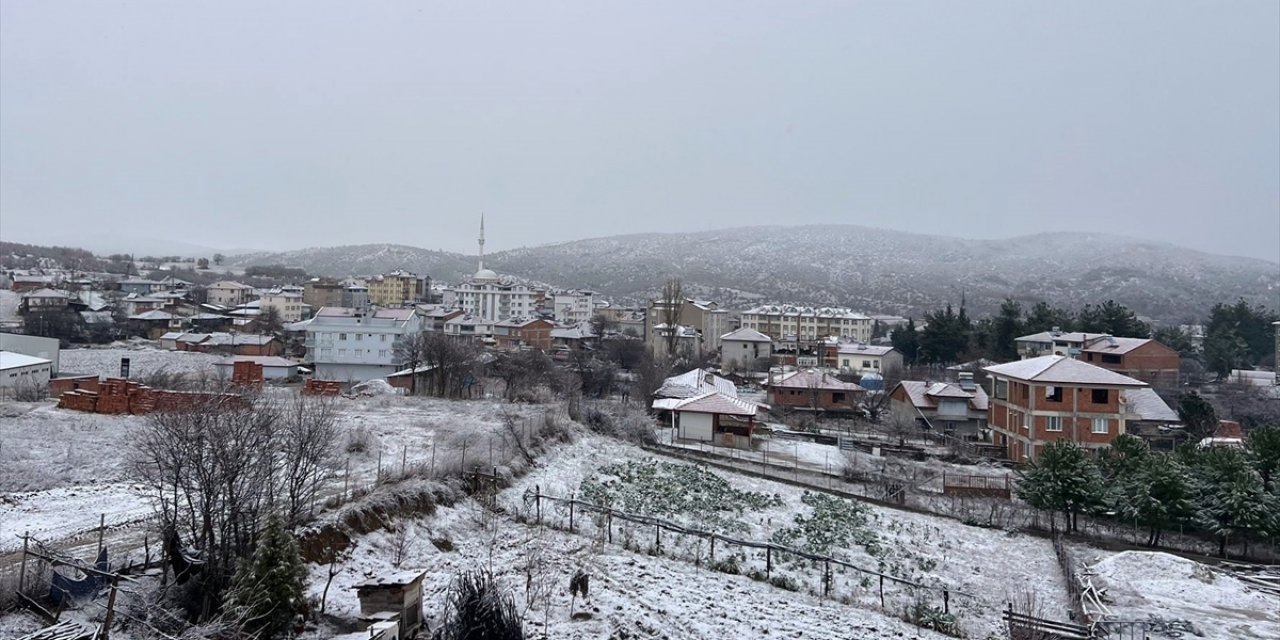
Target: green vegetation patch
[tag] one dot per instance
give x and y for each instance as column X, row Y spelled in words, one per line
column 681, row 492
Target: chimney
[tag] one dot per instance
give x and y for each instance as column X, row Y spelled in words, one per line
column 709, row 378
column 1057, row 331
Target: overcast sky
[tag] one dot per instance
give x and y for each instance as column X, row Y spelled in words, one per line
column 284, row 125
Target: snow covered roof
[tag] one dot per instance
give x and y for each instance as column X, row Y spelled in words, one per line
column 1061, row 370
column 97, row 317
column 818, row 312
column 694, row 383
column 1108, row 344
column 229, row 284
column 154, row 314
column 46, row 293
column 335, row 312
column 711, row 402
column 746, row 334
column 1060, row 336
column 1148, row 405
column 266, row 361
column 398, row 579
column 578, row 332
column 814, row 379
column 394, row 314
column 11, row 360
column 865, row 349
column 922, row 394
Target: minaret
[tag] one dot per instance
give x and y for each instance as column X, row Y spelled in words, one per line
column 481, row 243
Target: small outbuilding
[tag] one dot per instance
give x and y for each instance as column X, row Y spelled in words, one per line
column 19, row 372
column 394, row 596
column 712, row 417
column 273, row 367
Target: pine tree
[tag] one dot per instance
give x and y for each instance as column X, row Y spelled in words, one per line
column 1158, row 496
column 907, row 341
column 267, row 591
column 1231, row 500
column 1062, row 478
column 1264, row 444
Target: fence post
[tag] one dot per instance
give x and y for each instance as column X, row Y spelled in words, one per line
column 537, row 501
column 609, row 523
column 404, row 458
column 378, row 478
column 713, row 549
column 22, row 575
column 882, row 591
column 657, row 539
column 768, row 562
column 946, row 601
column 102, row 524
column 826, row 578
column 346, row 478
column 491, row 450
column 571, row 501
column 464, row 456
column 433, row 456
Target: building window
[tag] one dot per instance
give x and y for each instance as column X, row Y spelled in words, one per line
column 1100, row 425
column 1111, row 358
column 1002, row 390
column 1100, row 396
column 384, row 337
column 1053, row 394
column 866, row 364
column 342, row 336
column 342, row 353
column 1053, row 423
column 837, row 398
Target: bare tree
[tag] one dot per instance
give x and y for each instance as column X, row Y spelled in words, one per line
column 449, row 365
column 209, row 470
column 307, row 433
column 672, row 306
column 411, row 350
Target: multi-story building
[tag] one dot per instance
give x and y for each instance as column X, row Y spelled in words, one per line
column 1039, row 400
column 322, row 292
column 956, row 408
column 288, row 304
column 469, row 326
column 704, row 316
column 573, row 307
column 397, row 288
column 229, row 293
column 521, row 333
column 743, row 349
column 1141, row 358
column 352, row 346
column 792, row 323
column 814, row 390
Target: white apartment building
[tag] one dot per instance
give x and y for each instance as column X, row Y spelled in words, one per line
column 287, row 303
column 352, row 346
column 787, row 322
column 230, row 294
column 573, row 307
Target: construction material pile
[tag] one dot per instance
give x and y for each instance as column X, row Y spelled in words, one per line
column 118, row 396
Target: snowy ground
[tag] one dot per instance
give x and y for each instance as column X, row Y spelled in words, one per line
column 633, row 595
column 1143, row 585
column 143, row 361
column 993, row 565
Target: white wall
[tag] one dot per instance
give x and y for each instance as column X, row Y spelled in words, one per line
column 351, row 372
column 34, row 346
column 696, row 426
column 36, row 375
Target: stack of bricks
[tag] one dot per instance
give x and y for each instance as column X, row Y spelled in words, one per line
column 114, row 395
column 315, row 387
column 77, row 400
column 246, row 373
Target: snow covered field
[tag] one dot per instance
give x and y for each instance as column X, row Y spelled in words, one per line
column 143, row 361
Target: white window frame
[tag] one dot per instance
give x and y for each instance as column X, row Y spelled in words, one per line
column 1050, row 421
column 1106, row 425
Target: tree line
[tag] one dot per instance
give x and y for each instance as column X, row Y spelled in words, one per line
column 1231, row 494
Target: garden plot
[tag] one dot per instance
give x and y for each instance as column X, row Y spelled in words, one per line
column 143, row 361
column 632, row 595
column 1178, row 595
column 992, row 566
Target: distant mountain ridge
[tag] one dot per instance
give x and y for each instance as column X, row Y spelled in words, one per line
column 874, row 270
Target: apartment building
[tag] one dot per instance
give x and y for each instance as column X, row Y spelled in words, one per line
column 350, row 345
column 792, row 323
column 397, row 288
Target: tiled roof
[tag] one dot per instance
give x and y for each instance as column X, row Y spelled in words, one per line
column 922, row 394
column 694, row 383
column 716, row 402
column 1061, row 370
column 812, row 379
column 746, row 334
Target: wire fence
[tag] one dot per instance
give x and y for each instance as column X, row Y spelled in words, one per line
column 782, row 566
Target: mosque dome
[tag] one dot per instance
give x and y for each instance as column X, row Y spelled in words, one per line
column 485, row 275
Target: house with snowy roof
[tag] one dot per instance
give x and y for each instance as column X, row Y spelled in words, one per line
column 743, row 348
column 695, row 382
column 711, row 417
column 861, row 358
column 814, row 390
column 957, row 408
column 1037, row 401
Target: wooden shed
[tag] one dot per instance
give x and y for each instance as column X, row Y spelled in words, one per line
column 397, row 593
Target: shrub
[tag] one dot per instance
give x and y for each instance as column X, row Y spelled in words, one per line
column 476, row 609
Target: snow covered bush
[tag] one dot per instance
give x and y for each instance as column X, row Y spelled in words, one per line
column 478, row 609
column 687, row 493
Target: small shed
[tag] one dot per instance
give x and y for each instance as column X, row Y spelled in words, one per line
column 395, row 593
column 273, row 367
column 712, row 417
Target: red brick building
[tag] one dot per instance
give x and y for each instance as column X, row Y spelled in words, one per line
column 813, row 390
column 1141, row 358
column 1037, row 401
column 534, row 333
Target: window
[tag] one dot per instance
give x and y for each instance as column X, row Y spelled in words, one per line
column 342, row 336
column 1111, row 358
column 837, row 398
column 382, row 353
column 866, row 364
column 1053, row 423
column 1002, row 390
column 384, row 337
column 1099, row 425
column 1053, row 394
column 1100, row 396
column 342, row 353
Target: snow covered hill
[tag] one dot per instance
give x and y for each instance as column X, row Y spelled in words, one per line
column 872, row 269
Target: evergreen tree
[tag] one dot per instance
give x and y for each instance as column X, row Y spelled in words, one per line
column 1197, row 416
column 1006, row 328
column 1123, row 460
column 1231, row 500
column 1249, row 325
column 1264, row 444
column 1043, row 317
column 945, row 336
column 1225, row 349
column 1062, row 478
column 907, row 341
column 1111, row 318
column 1176, row 339
column 1157, row 497
column 267, row 591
